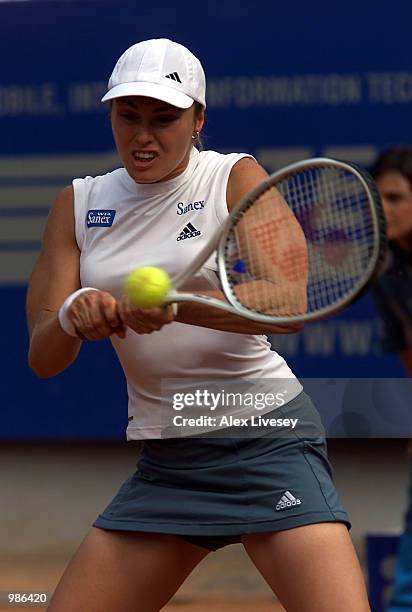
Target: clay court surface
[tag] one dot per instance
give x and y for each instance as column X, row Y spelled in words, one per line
column 211, row 588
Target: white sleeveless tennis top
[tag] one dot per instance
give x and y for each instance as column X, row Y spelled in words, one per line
column 120, row 225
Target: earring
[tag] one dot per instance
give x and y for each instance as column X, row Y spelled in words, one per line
column 195, row 135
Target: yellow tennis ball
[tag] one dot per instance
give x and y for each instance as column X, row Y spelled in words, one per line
column 147, row 287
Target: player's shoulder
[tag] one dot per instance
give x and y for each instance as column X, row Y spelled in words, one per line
column 113, row 175
column 219, row 157
column 61, row 210
column 215, row 160
column 244, row 175
column 76, row 196
column 113, row 184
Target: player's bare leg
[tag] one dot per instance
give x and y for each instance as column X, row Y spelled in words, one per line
column 124, row 571
column 312, row 568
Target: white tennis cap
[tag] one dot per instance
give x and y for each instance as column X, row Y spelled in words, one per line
column 160, row 69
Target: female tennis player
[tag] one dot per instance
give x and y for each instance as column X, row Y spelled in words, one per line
column 190, row 494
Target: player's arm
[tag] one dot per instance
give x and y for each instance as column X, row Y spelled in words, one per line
column 245, row 174
column 281, row 263
column 55, row 276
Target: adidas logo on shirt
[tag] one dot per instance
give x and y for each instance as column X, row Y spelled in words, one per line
column 287, row 501
column 189, row 231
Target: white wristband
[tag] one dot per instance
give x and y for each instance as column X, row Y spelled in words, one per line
column 175, row 308
column 64, row 320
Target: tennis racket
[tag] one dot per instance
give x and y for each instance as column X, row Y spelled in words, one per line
column 301, row 245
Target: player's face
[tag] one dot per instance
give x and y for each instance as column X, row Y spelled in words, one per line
column 396, row 194
column 153, row 138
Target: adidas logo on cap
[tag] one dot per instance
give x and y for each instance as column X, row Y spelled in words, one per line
column 287, row 501
column 189, row 231
column 174, row 76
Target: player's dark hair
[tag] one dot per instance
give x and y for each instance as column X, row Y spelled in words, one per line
column 396, row 158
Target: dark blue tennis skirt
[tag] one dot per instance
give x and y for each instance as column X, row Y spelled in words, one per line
column 230, row 486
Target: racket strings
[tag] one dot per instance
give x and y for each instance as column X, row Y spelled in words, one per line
column 339, row 232
column 268, row 259
column 307, row 256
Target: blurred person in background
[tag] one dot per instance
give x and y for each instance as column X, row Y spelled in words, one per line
column 392, row 171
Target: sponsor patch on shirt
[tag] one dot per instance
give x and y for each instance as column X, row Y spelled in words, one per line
column 100, row 218
column 182, row 208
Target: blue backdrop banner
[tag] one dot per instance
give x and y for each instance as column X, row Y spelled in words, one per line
column 283, row 84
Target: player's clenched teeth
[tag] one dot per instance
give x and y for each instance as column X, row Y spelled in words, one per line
column 143, row 155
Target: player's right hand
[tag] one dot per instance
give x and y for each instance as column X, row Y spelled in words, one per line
column 95, row 316
column 144, row 321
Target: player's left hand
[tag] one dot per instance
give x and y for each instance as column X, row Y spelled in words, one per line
column 144, row 321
